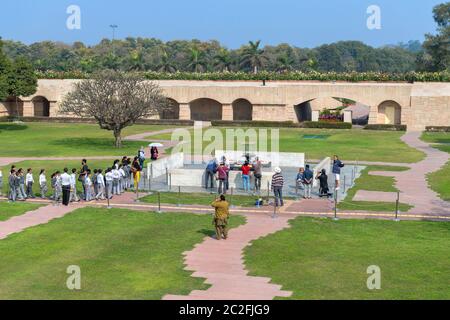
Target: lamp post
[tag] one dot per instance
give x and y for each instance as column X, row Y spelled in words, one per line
column 113, row 27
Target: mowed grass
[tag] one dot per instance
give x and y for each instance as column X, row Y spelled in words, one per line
column 439, row 181
column 50, row 167
column 355, row 144
column 325, row 259
column 122, row 254
column 197, row 198
column 373, row 183
column 9, row 210
column 48, row 139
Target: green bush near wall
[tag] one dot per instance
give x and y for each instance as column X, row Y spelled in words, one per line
column 386, row 127
column 437, row 129
column 443, row 76
column 326, row 125
column 260, row 124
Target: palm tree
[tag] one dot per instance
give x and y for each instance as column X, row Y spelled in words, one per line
column 285, row 63
column 254, row 56
column 167, row 63
column 197, row 61
column 136, row 60
column 222, row 60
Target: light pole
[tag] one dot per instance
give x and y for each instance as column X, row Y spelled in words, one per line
column 113, row 27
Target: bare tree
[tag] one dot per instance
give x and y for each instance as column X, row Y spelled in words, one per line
column 115, row 99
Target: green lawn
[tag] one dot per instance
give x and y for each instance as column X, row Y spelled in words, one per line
column 439, row 181
column 8, row 210
column 199, row 199
column 50, row 167
column 122, row 254
column 373, row 183
column 65, row 139
column 325, row 259
column 349, row 144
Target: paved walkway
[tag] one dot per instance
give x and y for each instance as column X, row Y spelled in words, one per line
column 413, row 184
column 39, row 216
column 222, row 264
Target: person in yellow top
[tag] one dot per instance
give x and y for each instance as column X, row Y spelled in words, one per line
column 221, row 217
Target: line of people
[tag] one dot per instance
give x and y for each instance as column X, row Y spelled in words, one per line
column 97, row 184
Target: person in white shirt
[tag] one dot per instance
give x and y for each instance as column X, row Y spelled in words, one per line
column 116, row 178
column 43, row 184
column 121, row 180
column 109, row 182
column 88, row 184
column 66, row 182
column 100, row 186
column 73, row 186
column 29, row 180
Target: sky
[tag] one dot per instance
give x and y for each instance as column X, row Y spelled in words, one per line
column 303, row 23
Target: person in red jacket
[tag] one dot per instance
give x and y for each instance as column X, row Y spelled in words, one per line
column 222, row 176
column 246, row 176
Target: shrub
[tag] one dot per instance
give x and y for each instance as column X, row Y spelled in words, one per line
column 386, row 127
column 261, row 124
column 437, row 129
column 326, row 125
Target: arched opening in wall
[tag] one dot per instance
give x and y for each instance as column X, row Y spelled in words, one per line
column 242, row 110
column 171, row 111
column 303, row 111
column 360, row 111
column 205, row 109
column 14, row 107
column 389, row 112
column 41, row 107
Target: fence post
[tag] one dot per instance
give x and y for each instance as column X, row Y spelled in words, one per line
column 159, row 202
column 169, row 185
column 167, row 176
column 335, row 205
column 107, row 198
column 179, row 197
column 397, row 206
column 296, row 190
column 231, row 198
column 274, row 207
column 268, row 192
column 343, row 189
column 137, row 192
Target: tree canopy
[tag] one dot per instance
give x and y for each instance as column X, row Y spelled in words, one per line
column 115, row 99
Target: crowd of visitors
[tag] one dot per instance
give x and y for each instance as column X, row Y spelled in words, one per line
column 219, row 171
column 94, row 184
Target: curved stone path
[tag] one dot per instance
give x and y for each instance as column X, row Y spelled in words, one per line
column 222, row 264
column 413, row 184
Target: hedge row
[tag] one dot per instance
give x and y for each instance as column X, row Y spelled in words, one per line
column 259, row 124
column 443, row 76
column 282, row 124
column 386, row 127
column 326, row 125
column 86, row 120
column 437, row 129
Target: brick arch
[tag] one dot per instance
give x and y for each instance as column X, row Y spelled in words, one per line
column 41, row 106
column 242, row 109
column 389, row 112
column 171, row 111
column 205, row 109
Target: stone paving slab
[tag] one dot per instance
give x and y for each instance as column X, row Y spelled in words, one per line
column 376, row 196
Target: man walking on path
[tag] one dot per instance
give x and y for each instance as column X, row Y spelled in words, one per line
column 337, row 165
column 66, row 182
column 221, row 217
column 277, row 187
column 307, row 182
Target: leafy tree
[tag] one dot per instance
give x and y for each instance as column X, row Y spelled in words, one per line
column 223, row 60
column 197, row 61
column 115, row 99
column 436, row 54
column 22, row 80
column 5, row 70
column 253, row 55
column 167, row 64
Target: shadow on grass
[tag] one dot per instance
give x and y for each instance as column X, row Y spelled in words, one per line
column 208, row 232
column 93, row 143
column 12, row 127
